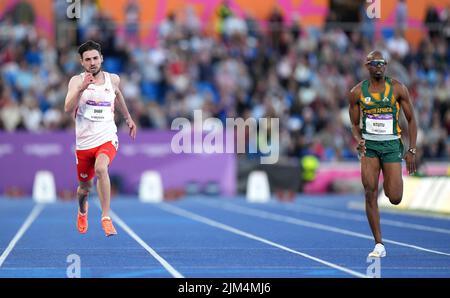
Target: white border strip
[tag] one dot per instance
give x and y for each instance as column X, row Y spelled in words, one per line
column 26, row 224
column 213, row 223
column 287, row 219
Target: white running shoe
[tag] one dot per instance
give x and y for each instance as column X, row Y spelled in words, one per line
column 378, row 252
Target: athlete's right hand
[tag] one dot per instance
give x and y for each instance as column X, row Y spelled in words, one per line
column 361, row 147
column 88, row 79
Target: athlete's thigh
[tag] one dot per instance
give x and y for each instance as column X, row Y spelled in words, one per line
column 393, row 182
column 105, row 154
column 85, row 165
column 102, row 161
column 370, row 172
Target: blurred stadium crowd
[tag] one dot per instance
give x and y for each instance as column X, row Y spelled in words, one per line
column 246, row 69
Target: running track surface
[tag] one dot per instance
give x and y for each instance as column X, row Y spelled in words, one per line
column 314, row 236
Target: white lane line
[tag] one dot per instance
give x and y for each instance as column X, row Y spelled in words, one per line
column 216, row 224
column 292, row 220
column 150, row 250
column 356, row 217
column 26, row 224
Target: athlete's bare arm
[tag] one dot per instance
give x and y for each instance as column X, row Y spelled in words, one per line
column 76, row 87
column 120, row 103
column 355, row 116
column 405, row 102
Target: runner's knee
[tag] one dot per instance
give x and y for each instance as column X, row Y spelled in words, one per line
column 394, row 195
column 370, row 190
column 101, row 171
column 395, row 199
column 83, row 190
column 371, row 196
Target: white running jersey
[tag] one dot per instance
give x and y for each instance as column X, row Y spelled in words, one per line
column 94, row 117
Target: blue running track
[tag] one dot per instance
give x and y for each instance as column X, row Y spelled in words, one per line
column 220, row 237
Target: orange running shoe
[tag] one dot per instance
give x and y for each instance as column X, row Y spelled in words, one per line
column 82, row 221
column 108, row 226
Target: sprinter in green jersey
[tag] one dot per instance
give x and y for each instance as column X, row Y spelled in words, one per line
column 375, row 106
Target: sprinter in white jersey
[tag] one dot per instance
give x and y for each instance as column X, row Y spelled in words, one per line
column 91, row 98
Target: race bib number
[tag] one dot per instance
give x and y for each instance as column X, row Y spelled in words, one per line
column 380, row 124
column 98, row 111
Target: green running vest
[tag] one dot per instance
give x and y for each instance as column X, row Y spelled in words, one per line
column 380, row 113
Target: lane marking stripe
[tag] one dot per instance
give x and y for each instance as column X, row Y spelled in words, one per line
column 216, row 224
column 356, row 217
column 26, row 224
column 296, row 221
column 150, row 250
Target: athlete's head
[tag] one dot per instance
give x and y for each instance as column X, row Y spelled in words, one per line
column 376, row 64
column 91, row 56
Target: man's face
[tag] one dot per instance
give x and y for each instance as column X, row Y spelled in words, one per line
column 376, row 67
column 92, row 61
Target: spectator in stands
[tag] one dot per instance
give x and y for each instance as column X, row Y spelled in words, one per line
column 132, row 11
column 397, row 45
column 401, row 16
column 298, row 73
column 432, row 21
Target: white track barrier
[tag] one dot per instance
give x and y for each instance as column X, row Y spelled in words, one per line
column 151, row 188
column 44, row 190
column 427, row 194
column 258, row 189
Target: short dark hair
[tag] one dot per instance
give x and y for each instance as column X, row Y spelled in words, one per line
column 89, row 45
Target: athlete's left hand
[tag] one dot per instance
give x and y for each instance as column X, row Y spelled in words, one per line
column 410, row 163
column 132, row 127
